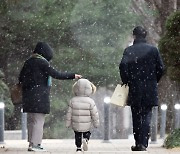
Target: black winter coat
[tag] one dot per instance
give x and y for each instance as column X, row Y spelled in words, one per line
column 141, row 68
column 34, row 78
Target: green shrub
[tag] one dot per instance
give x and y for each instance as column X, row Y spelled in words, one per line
column 173, row 139
column 169, row 46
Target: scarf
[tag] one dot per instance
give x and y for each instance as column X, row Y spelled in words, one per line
column 35, row 55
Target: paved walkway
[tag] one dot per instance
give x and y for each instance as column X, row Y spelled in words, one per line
column 95, row 147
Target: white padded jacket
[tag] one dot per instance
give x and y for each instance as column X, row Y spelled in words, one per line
column 82, row 111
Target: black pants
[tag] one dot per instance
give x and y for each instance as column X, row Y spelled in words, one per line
column 141, row 117
column 79, row 135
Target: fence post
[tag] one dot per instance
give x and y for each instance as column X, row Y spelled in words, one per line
column 106, row 119
column 177, row 116
column 24, row 125
column 154, row 124
column 163, row 121
column 2, row 122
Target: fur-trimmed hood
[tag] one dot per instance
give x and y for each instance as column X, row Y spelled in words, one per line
column 84, row 87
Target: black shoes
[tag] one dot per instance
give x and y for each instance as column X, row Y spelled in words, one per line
column 138, row 148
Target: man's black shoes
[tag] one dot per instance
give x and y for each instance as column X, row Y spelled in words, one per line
column 138, row 148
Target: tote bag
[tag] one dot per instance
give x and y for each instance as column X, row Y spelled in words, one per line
column 120, row 95
column 16, row 94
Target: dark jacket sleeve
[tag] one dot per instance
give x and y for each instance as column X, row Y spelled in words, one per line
column 21, row 74
column 56, row 74
column 159, row 65
column 123, row 68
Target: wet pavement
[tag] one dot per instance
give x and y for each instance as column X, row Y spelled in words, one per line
column 67, row 146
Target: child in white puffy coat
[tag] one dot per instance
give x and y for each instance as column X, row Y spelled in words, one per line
column 82, row 112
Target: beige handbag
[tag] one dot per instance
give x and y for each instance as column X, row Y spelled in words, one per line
column 120, row 95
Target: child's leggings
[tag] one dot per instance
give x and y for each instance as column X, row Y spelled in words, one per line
column 78, row 137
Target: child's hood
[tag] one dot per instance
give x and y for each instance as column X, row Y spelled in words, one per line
column 84, row 87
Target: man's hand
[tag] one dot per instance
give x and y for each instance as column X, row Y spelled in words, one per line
column 77, row 76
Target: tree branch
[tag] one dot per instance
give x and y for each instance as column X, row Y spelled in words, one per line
column 149, row 23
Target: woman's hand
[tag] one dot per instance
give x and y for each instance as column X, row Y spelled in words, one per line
column 77, row 76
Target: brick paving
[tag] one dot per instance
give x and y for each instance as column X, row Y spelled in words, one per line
column 66, row 146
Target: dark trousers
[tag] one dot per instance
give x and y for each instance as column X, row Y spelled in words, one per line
column 141, row 117
column 79, row 135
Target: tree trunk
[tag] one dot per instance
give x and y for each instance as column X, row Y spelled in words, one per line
column 155, row 24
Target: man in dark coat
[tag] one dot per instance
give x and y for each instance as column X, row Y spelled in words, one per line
column 35, row 78
column 141, row 68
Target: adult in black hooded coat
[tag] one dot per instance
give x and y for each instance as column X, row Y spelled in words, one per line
column 141, row 68
column 35, row 78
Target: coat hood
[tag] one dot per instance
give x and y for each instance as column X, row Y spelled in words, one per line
column 84, row 87
column 44, row 50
